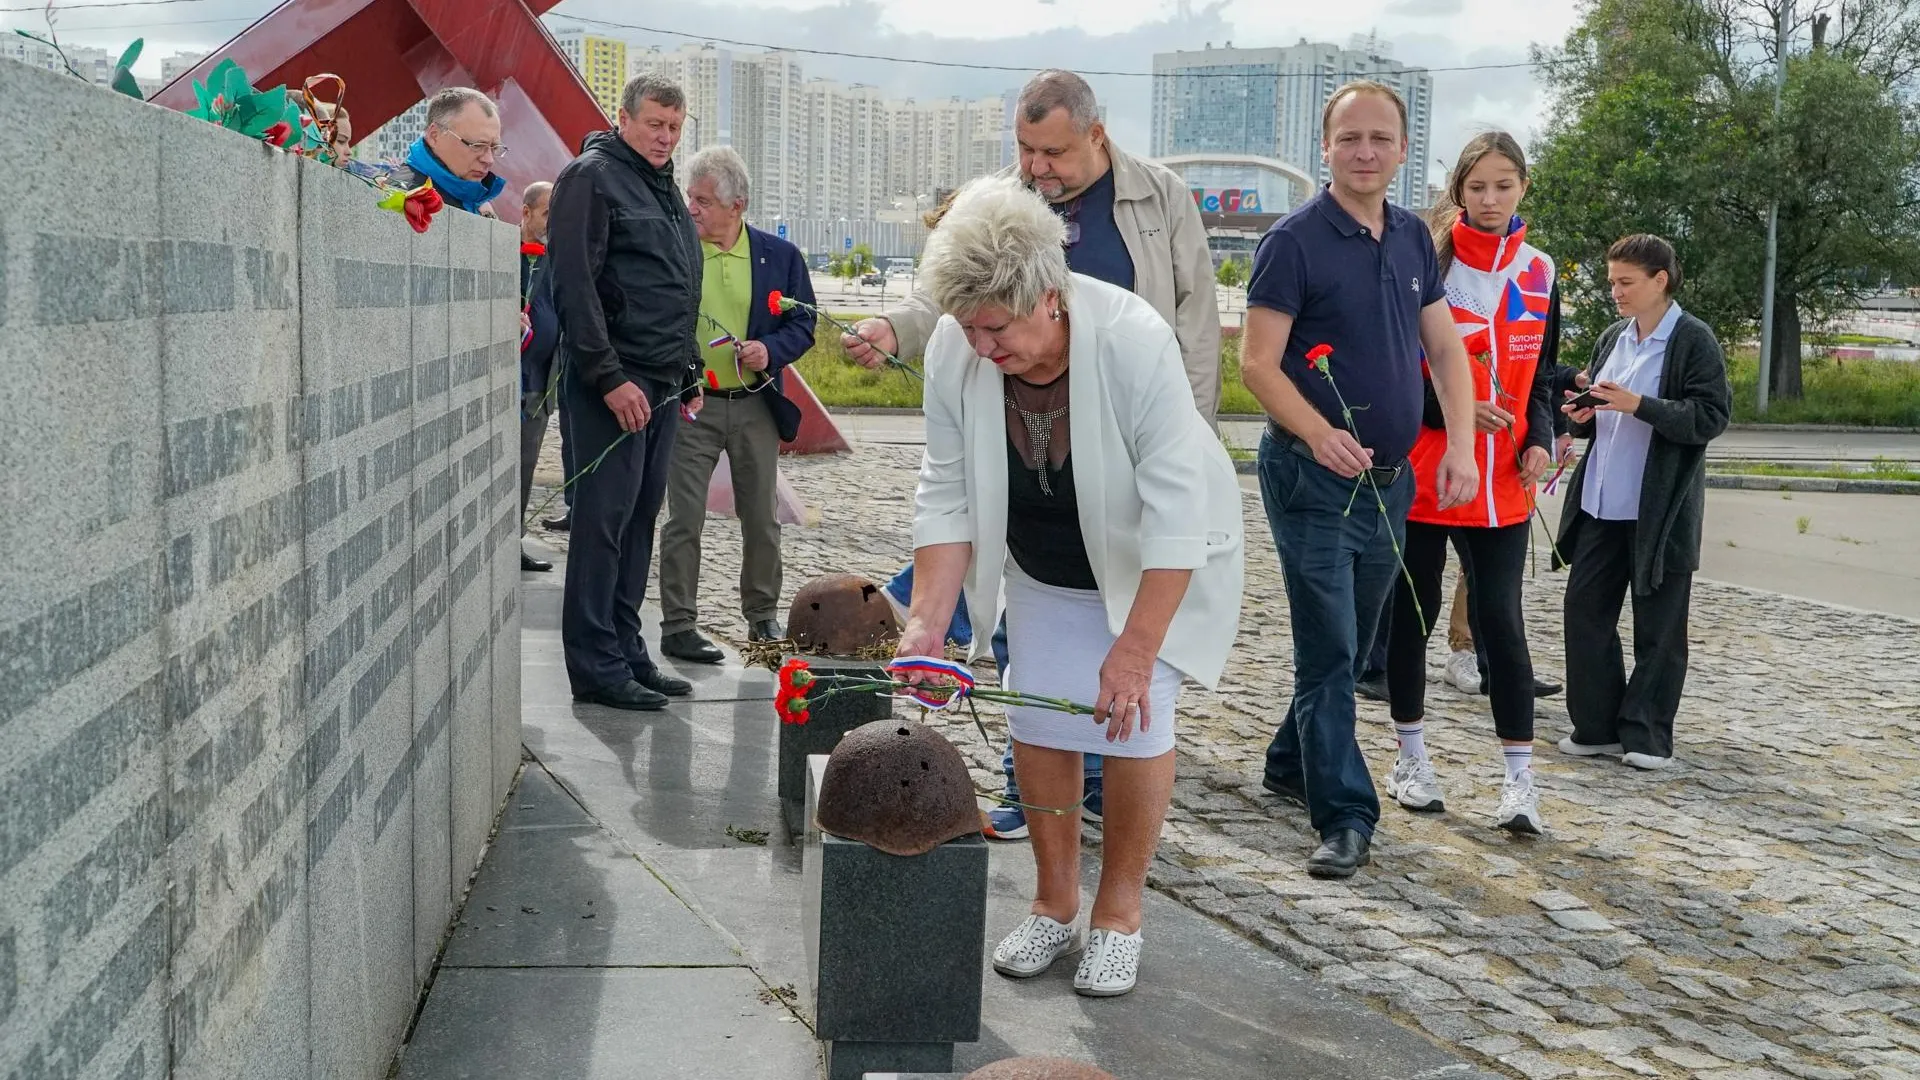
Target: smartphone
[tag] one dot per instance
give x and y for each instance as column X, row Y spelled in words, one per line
column 1585, row 399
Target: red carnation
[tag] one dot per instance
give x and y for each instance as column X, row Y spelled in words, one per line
column 279, row 134
column 795, row 676
column 421, row 204
column 773, row 302
column 533, row 247
column 1478, row 344
column 1317, row 356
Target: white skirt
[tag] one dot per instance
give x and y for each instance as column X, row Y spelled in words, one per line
column 1056, row 641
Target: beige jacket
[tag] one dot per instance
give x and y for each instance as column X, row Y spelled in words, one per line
column 1172, row 271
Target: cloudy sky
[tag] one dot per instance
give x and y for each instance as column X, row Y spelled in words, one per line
column 1106, row 35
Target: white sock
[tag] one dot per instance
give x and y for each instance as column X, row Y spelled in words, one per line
column 1412, row 738
column 1519, row 759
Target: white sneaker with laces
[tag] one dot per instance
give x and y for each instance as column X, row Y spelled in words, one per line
column 1574, row 749
column 1463, row 671
column 1033, row 947
column 1646, row 761
column 1520, row 806
column 1413, row 785
column 1111, row 964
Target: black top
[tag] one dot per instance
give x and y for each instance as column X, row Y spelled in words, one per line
column 1043, row 531
column 626, row 266
column 1094, row 244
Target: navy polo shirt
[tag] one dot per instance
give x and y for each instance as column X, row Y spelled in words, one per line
column 1363, row 296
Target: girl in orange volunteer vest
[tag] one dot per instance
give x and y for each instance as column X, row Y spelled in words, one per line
column 1507, row 308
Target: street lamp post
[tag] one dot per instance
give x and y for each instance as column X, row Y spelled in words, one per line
column 1773, row 220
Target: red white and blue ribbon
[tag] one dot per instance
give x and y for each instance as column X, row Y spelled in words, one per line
column 949, row 696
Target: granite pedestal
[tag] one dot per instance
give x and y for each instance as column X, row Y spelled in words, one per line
column 829, row 719
column 894, row 948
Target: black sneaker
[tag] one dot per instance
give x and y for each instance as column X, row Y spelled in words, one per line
column 559, row 524
column 1373, row 688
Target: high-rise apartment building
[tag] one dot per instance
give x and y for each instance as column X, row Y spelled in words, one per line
column 178, row 64
column 601, row 62
column 1268, row 102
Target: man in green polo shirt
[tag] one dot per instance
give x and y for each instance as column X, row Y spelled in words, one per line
column 741, row 409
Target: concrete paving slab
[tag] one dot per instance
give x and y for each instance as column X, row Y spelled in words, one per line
column 569, row 897
column 607, row 1024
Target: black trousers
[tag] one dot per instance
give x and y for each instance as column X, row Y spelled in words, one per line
column 610, row 546
column 1604, row 704
column 1495, row 561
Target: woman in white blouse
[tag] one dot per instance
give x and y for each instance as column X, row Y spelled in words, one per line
column 1635, row 508
column 1069, row 479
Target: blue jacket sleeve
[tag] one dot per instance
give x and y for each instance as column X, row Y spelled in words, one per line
column 793, row 336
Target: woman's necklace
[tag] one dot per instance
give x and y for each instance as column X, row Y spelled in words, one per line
column 1039, row 426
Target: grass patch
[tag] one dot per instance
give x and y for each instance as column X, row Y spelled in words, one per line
column 1866, row 393
column 1853, row 339
column 841, row 383
column 1880, row 468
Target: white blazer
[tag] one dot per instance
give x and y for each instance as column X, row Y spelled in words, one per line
column 1156, row 489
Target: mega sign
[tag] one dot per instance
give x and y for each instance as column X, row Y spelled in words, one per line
column 1227, row 200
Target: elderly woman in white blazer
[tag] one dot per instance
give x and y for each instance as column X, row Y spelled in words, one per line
column 1069, row 481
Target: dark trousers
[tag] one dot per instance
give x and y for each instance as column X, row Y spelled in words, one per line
column 1339, row 568
column 1604, row 704
column 1495, row 560
column 533, row 433
column 611, row 542
column 1375, row 666
column 567, row 464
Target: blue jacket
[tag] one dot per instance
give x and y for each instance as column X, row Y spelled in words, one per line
column 778, row 265
column 536, row 355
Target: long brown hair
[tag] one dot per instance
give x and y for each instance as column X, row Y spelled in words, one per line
column 1447, row 212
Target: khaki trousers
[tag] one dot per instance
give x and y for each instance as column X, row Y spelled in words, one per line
column 744, row 429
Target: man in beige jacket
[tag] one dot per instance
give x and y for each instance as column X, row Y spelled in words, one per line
column 1130, row 222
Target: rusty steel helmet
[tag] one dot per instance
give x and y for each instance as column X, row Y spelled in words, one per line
column 1039, row 1068
column 841, row 614
column 897, row 786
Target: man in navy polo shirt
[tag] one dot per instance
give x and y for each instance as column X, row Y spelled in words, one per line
column 1352, row 273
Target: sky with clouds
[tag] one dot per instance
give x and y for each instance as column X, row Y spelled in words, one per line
column 1110, row 35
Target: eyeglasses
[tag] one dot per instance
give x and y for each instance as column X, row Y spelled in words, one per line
column 496, row 149
column 1072, row 216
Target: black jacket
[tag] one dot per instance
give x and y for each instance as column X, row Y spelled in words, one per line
column 537, row 351
column 1689, row 410
column 626, row 266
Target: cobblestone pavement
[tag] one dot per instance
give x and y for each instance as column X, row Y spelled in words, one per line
column 1753, row 912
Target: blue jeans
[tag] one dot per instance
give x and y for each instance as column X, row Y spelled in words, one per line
column 1339, row 569
column 901, row 588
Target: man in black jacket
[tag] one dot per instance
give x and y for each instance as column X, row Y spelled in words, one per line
column 626, row 268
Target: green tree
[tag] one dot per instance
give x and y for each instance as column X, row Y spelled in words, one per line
column 1662, row 122
column 1231, row 272
column 862, row 260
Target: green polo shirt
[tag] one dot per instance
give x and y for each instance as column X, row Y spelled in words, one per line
column 726, row 297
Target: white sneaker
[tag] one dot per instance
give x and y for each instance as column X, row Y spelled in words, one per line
column 1033, row 947
column 1463, row 671
column 1519, row 806
column 1646, row 761
column 1574, row 749
column 1413, row 785
column 1110, row 966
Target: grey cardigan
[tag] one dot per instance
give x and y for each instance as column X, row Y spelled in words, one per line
column 1689, row 410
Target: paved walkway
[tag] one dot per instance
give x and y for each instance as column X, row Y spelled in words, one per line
column 639, row 914
column 1752, row 913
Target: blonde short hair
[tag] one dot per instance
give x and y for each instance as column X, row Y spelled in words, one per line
column 999, row 245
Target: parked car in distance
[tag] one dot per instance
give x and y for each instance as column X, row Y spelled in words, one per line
column 874, row 279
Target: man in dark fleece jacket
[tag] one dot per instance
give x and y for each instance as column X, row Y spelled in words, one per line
column 626, row 265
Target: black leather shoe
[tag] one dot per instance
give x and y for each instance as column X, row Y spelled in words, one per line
column 628, row 695
column 1374, row 689
column 1342, row 853
column 662, row 683
column 766, row 630
column 1544, row 687
column 559, row 524
column 689, row 645
column 529, row 564
column 1285, row 791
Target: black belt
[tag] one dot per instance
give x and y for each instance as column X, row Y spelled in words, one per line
column 734, row 394
column 1383, row 475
